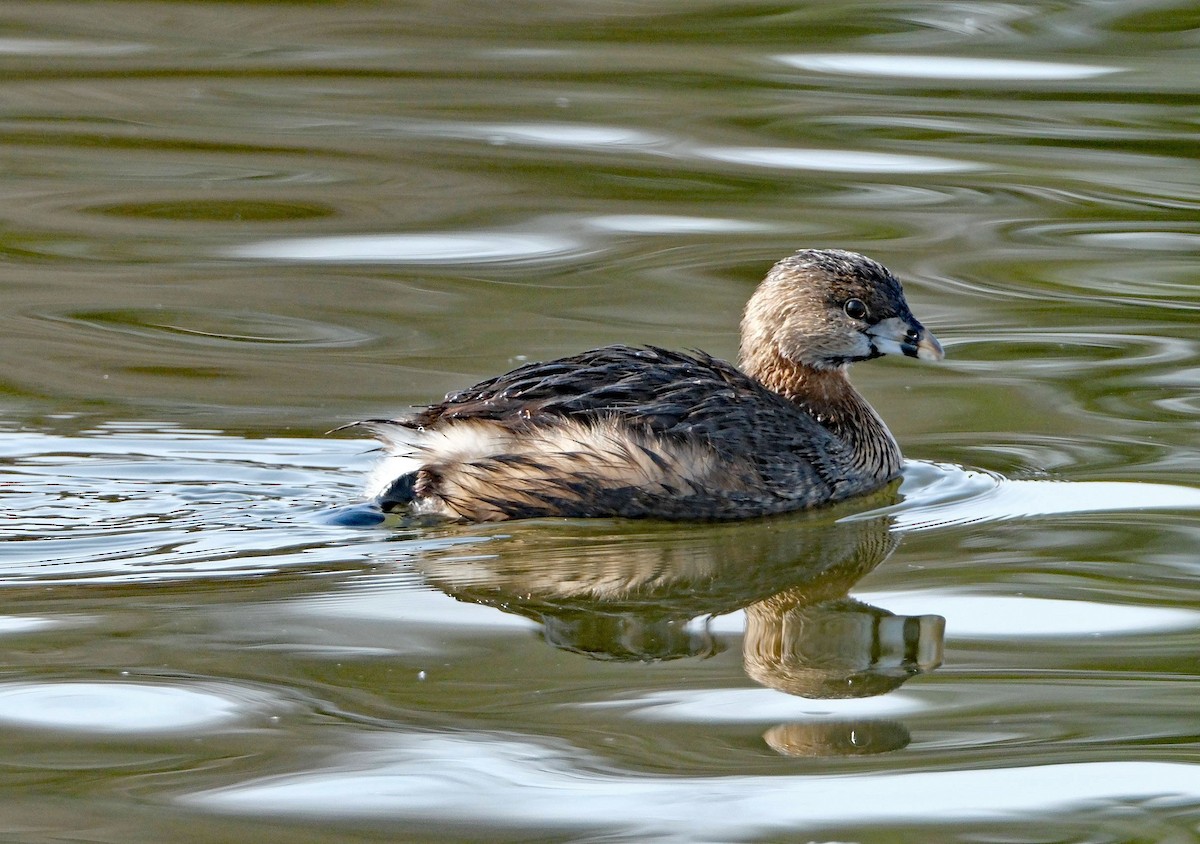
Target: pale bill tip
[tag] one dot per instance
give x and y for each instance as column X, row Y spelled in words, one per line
column 929, row 348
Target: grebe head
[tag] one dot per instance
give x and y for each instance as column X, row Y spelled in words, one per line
column 825, row 308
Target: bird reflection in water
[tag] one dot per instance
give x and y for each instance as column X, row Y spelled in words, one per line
column 622, row 591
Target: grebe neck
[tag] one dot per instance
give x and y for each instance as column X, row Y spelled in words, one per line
column 828, row 396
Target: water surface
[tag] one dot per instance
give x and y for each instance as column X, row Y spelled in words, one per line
column 231, row 228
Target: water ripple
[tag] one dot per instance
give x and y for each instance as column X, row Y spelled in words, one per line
column 1100, row 372
column 140, row 507
column 1116, row 235
column 213, row 326
column 1065, row 355
column 942, row 495
column 209, row 210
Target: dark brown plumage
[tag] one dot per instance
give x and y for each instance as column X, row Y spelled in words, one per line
column 645, row 432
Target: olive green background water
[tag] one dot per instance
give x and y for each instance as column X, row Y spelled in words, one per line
column 227, row 228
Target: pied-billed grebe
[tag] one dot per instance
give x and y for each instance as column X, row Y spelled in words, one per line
column 644, row 432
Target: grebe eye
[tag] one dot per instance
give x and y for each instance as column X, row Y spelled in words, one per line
column 855, row 309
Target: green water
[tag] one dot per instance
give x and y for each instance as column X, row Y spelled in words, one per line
column 228, row 228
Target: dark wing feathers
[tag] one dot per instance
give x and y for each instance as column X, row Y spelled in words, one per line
column 645, row 382
column 611, row 378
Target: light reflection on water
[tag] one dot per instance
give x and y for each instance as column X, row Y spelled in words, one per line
column 992, row 616
column 233, row 227
column 843, row 161
column 567, row 793
column 105, row 708
column 433, row 248
column 961, row 69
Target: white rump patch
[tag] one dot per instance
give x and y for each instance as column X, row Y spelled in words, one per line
column 599, row 454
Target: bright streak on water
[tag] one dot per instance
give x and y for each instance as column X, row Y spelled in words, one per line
column 431, row 248
column 569, row 135
column 47, row 47
column 834, row 160
column 996, row 616
column 672, row 224
column 17, row 624
column 754, row 705
column 943, row 67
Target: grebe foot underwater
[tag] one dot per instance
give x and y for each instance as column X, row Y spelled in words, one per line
column 644, row 432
